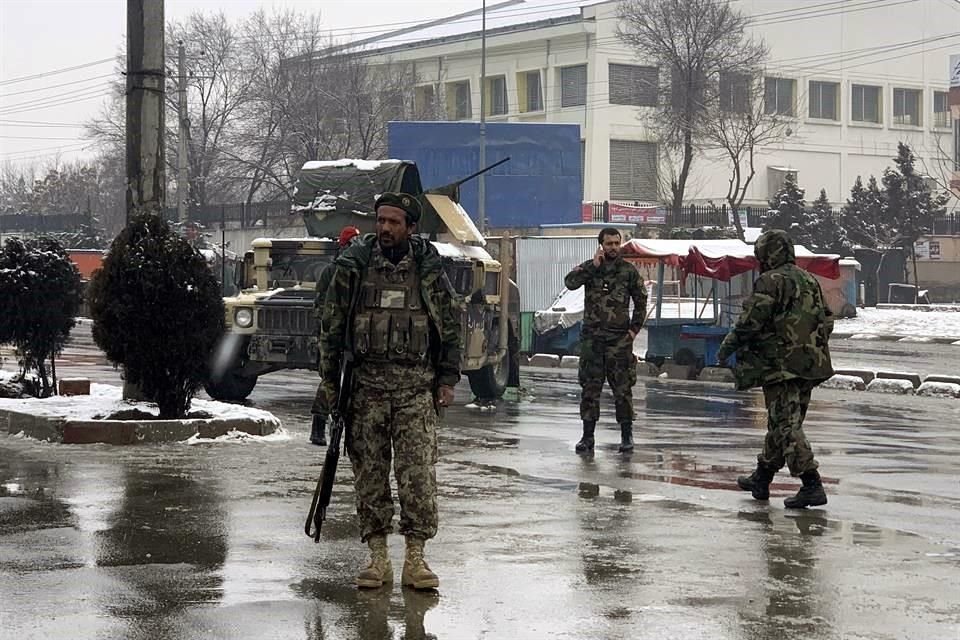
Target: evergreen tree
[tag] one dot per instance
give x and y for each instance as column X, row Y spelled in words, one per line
column 909, row 204
column 41, row 294
column 864, row 219
column 826, row 233
column 157, row 311
column 788, row 212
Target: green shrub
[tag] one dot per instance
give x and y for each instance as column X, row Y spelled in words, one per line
column 158, row 312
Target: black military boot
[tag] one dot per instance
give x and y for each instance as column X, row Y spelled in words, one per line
column 626, row 437
column 586, row 442
column 811, row 494
column 758, row 482
column 318, row 429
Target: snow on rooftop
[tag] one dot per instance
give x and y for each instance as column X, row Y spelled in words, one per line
column 362, row 165
column 500, row 16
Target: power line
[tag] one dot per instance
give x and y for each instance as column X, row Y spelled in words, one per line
column 55, row 71
column 57, row 86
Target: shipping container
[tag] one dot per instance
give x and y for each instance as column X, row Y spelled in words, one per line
column 541, row 184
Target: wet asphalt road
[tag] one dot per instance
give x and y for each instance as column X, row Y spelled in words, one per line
column 176, row 541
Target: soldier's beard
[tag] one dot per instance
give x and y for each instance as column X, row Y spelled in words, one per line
column 396, row 250
column 611, row 255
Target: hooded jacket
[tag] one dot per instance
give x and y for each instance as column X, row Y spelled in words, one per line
column 785, row 326
column 336, row 318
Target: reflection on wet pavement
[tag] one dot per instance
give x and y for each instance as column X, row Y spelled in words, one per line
column 169, row 541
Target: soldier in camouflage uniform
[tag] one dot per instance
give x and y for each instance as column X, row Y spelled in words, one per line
column 319, row 409
column 606, row 337
column 391, row 305
column 780, row 341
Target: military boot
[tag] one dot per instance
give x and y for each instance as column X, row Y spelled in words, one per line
column 758, row 482
column 626, row 437
column 380, row 570
column 811, row 494
column 586, row 442
column 318, row 430
column 416, row 571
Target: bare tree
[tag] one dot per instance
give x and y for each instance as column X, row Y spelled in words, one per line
column 697, row 45
column 739, row 124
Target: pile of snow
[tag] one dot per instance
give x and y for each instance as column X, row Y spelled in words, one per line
column 939, row 390
column 902, row 322
column 885, row 385
column 848, row 383
column 240, row 437
column 105, row 399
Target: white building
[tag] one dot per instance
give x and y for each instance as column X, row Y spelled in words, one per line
column 856, row 76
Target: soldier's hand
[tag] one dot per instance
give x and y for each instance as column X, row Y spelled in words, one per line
column 598, row 256
column 445, row 395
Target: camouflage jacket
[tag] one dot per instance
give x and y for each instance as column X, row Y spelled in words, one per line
column 609, row 290
column 336, row 321
column 785, row 326
column 323, row 284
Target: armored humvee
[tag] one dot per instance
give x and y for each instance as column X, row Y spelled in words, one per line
column 272, row 325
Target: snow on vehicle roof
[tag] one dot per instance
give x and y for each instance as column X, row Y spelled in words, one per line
column 448, row 250
column 362, row 165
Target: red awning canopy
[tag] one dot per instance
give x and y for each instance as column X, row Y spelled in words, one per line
column 721, row 259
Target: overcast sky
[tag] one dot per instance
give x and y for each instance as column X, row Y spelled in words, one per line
column 39, row 36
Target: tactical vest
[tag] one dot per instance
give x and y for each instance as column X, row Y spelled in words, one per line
column 391, row 324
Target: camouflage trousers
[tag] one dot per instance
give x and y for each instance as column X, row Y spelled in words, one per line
column 609, row 359
column 402, row 423
column 319, row 407
column 786, row 443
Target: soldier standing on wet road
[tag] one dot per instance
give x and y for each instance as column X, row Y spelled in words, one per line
column 606, row 339
column 780, row 341
column 391, row 305
column 319, row 409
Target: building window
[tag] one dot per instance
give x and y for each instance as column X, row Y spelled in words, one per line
column 686, row 87
column 633, row 85
column 458, row 101
column 735, row 92
column 529, row 91
column 424, row 102
column 573, row 86
column 824, row 100
column 906, row 107
column 496, row 96
column 778, row 96
column 941, row 110
column 633, row 170
column 865, row 103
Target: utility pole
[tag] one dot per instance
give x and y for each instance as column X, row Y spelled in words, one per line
column 145, row 94
column 482, row 185
column 184, row 132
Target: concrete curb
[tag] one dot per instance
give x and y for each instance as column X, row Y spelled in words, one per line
column 844, row 379
column 122, row 432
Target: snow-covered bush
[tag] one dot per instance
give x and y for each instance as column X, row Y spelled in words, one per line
column 39, row 297
column 158, row 312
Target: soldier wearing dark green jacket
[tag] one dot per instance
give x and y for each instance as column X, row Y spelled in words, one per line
column 606, row 336
column 781, row 344
column 391, row 305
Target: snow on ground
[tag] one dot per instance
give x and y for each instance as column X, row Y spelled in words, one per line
column 902, row 322
column 939, row 390
column 884, row 385
column 849, row 383
column 105, row 399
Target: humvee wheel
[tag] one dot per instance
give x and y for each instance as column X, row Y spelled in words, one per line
column 489, row 382
column 232, row 387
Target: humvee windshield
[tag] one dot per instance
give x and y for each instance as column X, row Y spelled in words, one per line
column 291, row 269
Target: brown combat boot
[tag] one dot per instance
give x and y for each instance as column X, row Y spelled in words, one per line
column 380, row 570
column 416, row 571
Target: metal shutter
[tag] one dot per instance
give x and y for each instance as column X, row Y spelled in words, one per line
column 633, row 170
column 573, row 86
column 633, row 85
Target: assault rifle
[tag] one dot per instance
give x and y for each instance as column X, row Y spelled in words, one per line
column 321, row 495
